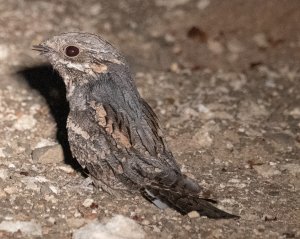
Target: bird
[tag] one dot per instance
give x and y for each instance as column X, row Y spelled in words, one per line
column 113, row 132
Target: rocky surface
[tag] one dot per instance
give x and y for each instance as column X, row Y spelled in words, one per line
column 118, row 227
column 223, row 77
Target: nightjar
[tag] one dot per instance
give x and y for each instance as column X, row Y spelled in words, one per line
column 113, row 132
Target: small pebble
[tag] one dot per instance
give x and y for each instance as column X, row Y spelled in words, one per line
column 215, row 47
column 48, row 154
column 202, row 4
column 193, row 214
column 261, row 40
column 268, row 217
column 229, row 146
column 76, row 222
column 88, row 202
column 3, row 174
column 145, row 222
column 66, row 168
column 54, row 189
column 25, row 122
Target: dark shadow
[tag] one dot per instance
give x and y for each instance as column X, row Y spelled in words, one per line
column 50, row 85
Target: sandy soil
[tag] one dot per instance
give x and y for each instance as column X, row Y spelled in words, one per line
column 223, row 77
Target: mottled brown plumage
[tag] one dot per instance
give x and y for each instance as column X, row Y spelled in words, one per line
column 113, row 132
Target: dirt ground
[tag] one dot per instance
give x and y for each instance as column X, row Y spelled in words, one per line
column 223, row 77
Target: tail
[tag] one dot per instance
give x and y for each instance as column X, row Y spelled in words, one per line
column 184, row 202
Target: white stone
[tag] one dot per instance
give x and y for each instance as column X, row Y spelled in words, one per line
column 235, row 46
column 3, row 174
column 202, row 4
column 203, row 109
column 51, row 220
column 234, row 180
column 215, row 47
column 193, row 214
column 11, row 190
column 295, row 113
column 25, row 122
column 174, row 67
column 270, row 83
column 4, row 52
column 76, row 222
column 95, row 9
column 30, row 228
column 118, row 227
column 44, row 143
column 66, row 168
column 50, row 198
column 54, row 189
column 261, row 40
column 41, row 179
column 2, row 154
column 34, row 108
column 11, row 165
column 88, row 202
column 229, row 146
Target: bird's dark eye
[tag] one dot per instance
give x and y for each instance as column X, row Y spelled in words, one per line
column 72, row 51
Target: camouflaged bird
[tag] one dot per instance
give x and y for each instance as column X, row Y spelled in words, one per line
column 113, row 132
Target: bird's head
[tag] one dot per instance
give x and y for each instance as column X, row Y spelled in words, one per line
column 76, row 55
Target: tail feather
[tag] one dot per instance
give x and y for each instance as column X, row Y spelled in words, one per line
column 184, row 203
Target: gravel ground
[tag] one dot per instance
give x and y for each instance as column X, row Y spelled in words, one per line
column 223, row 77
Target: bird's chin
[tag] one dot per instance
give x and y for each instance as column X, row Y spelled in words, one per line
column 57, row 66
